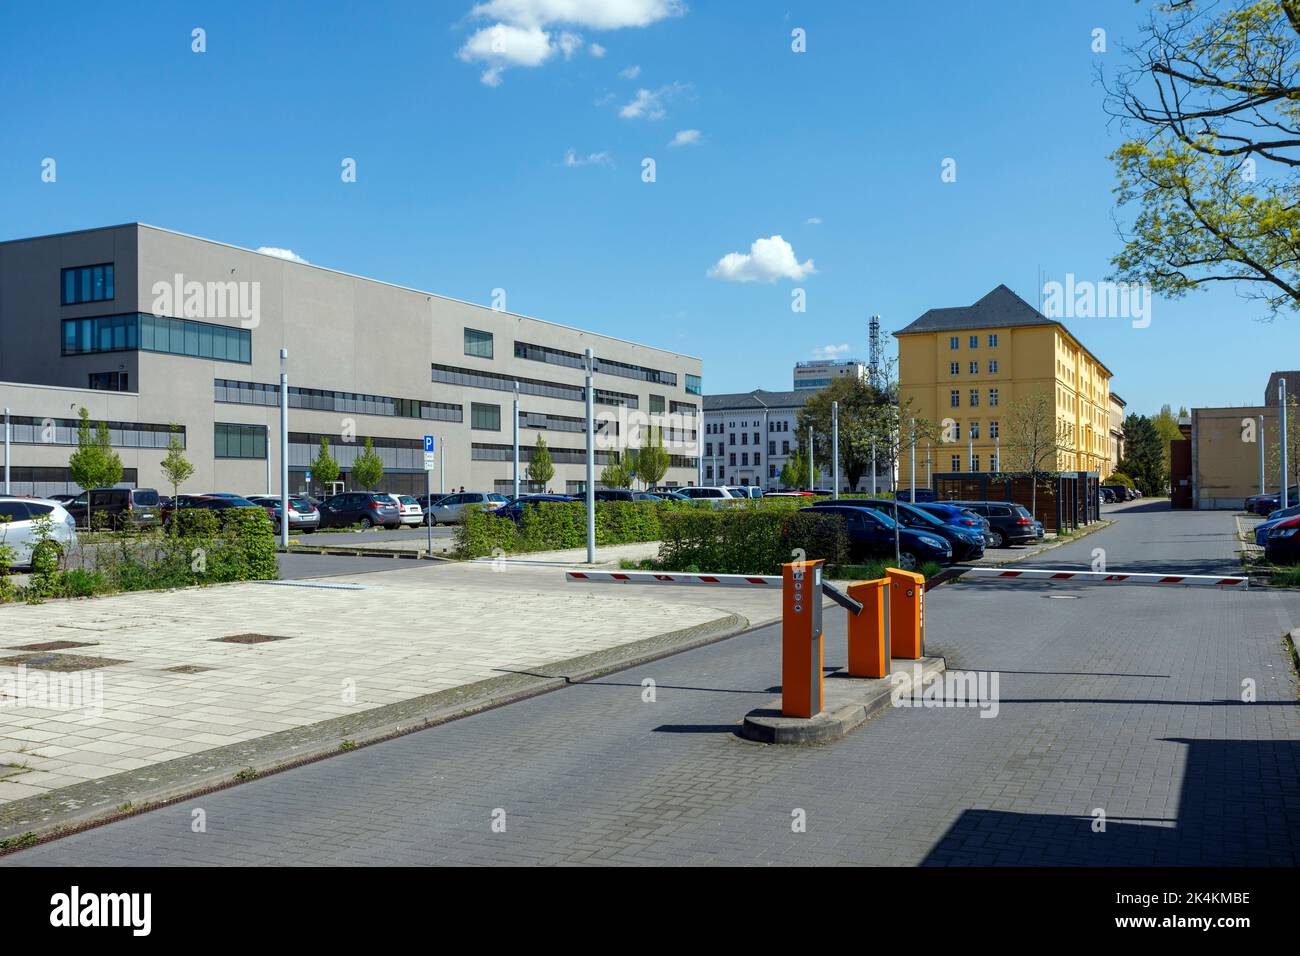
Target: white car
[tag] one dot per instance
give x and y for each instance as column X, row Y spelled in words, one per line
column 18, row 530
column 410, row 509
column 716, row 495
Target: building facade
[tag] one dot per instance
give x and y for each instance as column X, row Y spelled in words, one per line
column 748, row 437
column 148, row 328
column 962, row 368
column 810, row 376
column 1117, row 406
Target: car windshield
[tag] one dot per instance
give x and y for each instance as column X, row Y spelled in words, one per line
column 146, row 496
column 408, row 500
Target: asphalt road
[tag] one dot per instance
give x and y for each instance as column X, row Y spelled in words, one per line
column 1122, row 702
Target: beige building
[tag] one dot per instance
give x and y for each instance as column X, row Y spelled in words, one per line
column 145, row 327
column 1117, row 406
column 1225, row 454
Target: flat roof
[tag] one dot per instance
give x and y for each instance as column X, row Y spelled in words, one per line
column 350, row 275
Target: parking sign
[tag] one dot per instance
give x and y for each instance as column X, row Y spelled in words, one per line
column 428, row 453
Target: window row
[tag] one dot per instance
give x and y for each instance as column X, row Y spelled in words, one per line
column 954, row 398
column 561, row 456
column 954, row 342
column 554, row 356
column 150, row 333
column 29, row 430
column 954, row 368
column 321, row 399
column 87, row 284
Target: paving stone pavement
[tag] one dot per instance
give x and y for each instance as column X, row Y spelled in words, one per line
column 1124, row 700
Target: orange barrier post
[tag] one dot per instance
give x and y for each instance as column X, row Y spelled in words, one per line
column 801, row 639
column 907, row 613
column 868, row 632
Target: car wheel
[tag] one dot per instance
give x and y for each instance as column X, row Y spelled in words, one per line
column 908, row 561
column 998, row 540
column 367, row 523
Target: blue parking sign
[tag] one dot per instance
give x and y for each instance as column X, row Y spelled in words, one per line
column 428, row 443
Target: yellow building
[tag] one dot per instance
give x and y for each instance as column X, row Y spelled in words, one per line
column 964, row 367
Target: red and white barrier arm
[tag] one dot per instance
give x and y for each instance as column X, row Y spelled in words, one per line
column 654, row 577
column 1109, row 577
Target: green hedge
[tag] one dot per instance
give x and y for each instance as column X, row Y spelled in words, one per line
column 749, row 540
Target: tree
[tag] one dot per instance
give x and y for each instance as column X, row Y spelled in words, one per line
column 857, row 402
column 794, row 473
column 1143, row 459
column 540, row 468
column 1166, row 423
column 86, row 464
column 112, row 472
column 176, row 467
column 324, row 468
column 651, row 461
column 1274, row 445
column 615, row 473
column 893, row 428
column 1036, row 438
column 368, row 469
column 1211, row 100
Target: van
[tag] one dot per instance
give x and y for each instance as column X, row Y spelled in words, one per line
column 122, row 507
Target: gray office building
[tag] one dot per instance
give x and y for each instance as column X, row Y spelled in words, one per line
column 147, row 329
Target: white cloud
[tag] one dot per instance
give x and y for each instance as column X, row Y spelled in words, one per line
column 767, row 260
column 520, row 36
column 571, row 158
column 650, row 104
column 282, row 254
column 829, row 351
column 686, row 137
column 631, row 73
column 813, row 221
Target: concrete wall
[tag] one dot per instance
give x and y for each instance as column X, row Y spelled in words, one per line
column 1225, row 462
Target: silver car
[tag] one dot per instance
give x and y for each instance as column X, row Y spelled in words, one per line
column 452, row 509
column 19, row 532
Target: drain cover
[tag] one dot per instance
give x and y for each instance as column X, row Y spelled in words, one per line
column 187, row 669
column 249, row 638
column 52, row 645
column 59, row 662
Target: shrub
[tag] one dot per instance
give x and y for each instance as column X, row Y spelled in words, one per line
column 81, row 582
column 749, row 540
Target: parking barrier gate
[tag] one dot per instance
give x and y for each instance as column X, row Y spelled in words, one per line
column 801, row 639
column 1225, row 582
column 906, row 613
column 869, row 651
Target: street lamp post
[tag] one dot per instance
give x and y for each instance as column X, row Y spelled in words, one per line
column 591, row 461
column 7, row 451
column 1284, row 495
column 1260, row 439
column 912, row 490
column 284, row 449
column 812, row 468
column 835, row 449
column 514, row 418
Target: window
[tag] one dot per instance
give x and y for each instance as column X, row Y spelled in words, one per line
column 87, row 284
column 974, row 341
column 656, row 404
column 975, row 462
column 731, row 439
column 478, row 344
column 473, row 378
column 974, row 397
column 993, row 429
column 708, row 472
column 993, row 397
column 771, row 447
column 954, row 398
column 150, row 333
column 744, row 438
column 708, row 449
column 485, row 417
column 954, row 343
column 785, row 448
column 974, row 429
column 239, row 441
column 109, row 381
column 974, row 368
column 993, row 340
column 758, row 459
column 744, row 458
column 756, row 439
column 693, row 385
column 954, row 368
column 956, row 462
column 731, row 458
column 993, row 366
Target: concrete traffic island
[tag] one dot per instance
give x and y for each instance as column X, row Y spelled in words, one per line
column 847, row 703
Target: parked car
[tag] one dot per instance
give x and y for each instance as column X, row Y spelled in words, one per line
column 408, row 506
column 19, row 531
column 515, row 510
column 961, row 517
column 712, row 493
column 745, row 491
column 1010, row 523
column 303, row 515
column 672, row 496
column 1266, row 504
column 452, row 509
column 922, row 494
column 1282, row 546
column 123, row 507
column 871, row 535
column 621, row 494
column 1274, row 519
column 218, row 503
column 61, row 498
column 965, row 541
column 365, row 508
column 788, row 494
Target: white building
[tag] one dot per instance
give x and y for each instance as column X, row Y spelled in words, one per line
column 810, row 376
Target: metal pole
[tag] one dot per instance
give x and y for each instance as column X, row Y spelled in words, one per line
column 912, row 490
column 7, row 452
column 812, row 469
column 1259, row 438
column 284, row 449
column 591, row 461
column 835, row 448
column 515, row 421
column 442, row 469
column 428, row 502
column 929, row 481
column 1284, row 495
column 873, row 469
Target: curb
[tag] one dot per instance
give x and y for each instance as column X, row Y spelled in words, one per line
column 765, row 725
column 36, row 820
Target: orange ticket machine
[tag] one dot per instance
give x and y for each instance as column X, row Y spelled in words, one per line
column 906, row 613
column 801, row 639
column 869, row 650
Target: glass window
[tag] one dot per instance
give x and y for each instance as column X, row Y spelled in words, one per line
column 239, row 441
column 478, row 344
column 485, row 417
column 954, row 368
column 954, row 398
column 87, row 284
column 993, row 396
column 993, row 341
column 694, row 386
column 954, row 342
column 974, row 341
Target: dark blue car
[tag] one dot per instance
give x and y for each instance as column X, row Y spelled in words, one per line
column 1277, row 517
column 965, row 540
column 871, row 535
column 515, row 510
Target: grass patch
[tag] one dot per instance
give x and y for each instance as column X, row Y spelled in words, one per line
column 1288, row 577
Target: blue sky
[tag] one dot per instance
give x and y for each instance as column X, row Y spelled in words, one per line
column 463, row 185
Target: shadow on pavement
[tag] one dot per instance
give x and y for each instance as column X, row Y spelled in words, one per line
column 1239, row 806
